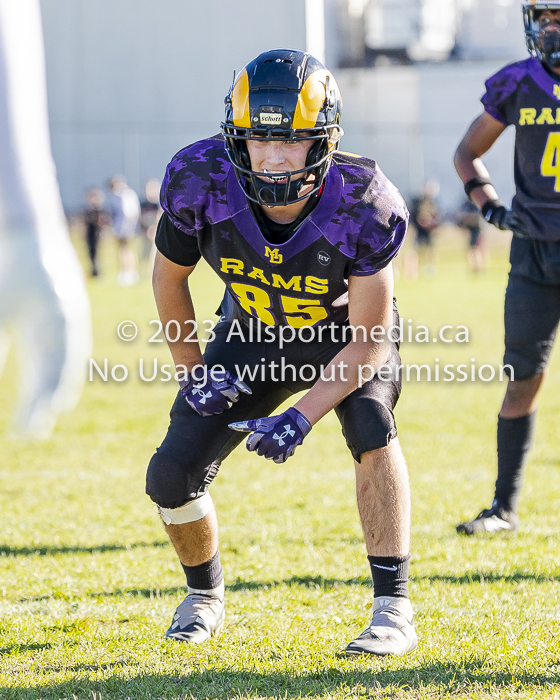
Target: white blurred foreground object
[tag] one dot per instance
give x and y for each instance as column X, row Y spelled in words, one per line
column 42, row 292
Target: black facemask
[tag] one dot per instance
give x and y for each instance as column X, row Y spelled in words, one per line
column 550, row 47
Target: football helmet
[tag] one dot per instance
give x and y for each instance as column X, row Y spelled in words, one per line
column 283, row 95
column 544, row 45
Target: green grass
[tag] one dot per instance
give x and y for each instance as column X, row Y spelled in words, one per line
column 88, row 582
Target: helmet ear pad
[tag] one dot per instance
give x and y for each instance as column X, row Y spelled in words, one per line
column 316, row 152
column 238, row 148
column 244, row 158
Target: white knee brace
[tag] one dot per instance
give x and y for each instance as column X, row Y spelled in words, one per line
column 189, row 513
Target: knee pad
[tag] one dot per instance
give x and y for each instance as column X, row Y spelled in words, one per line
column 171, row 483
column 189, row 513
column 368, row 424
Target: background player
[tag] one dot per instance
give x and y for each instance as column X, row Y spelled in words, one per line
column 468, row 217
column 94, row 218
column 527, row 95
column 301, row 236
column 125, row 215
column 425, row 215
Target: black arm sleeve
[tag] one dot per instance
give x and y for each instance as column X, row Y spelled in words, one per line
column 175, row 245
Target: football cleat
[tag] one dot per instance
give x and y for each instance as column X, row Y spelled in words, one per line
column 197, row 619
column 494, row 519
column 390, row 632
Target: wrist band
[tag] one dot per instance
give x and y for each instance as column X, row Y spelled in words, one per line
column 475, row 182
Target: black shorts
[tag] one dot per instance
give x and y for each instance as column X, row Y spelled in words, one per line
column 532, row 306
column 193, row 449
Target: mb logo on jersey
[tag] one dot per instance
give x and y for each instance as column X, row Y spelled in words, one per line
column 287, row 431
column 273, row 255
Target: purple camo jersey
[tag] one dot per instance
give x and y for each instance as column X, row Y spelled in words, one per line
column 357, row 228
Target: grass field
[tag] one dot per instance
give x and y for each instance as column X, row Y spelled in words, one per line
column 88, row 582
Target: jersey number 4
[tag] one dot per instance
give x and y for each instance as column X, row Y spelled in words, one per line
column 550, row 164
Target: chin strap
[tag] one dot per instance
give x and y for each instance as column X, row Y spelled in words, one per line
column 275, row 192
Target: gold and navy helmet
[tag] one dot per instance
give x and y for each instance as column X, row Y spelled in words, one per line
column 283, row 95
column 543, row 45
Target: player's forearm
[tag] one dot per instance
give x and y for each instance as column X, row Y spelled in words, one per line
column 469, row 166
column 480, row 137
column 174, row 304
column 354, row 364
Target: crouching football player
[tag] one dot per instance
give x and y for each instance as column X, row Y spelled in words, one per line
column 527, row 95
column 302, row 236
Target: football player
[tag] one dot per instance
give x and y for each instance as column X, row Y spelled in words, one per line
column 303, row 238
column 527, row 95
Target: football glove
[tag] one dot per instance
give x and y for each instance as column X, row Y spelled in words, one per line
column 275, row 437
column 496, row 213
column 217, row 392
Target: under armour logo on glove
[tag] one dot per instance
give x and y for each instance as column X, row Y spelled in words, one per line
column 275, row 437
column 203, row 396
column 280, row 438
column 217, row 392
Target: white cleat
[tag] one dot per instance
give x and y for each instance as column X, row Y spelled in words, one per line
column 390, row 632
column 197, row 619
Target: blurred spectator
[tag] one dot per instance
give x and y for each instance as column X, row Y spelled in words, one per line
column 125, row 215
column 425, row 216
column 150, row 212
column 94, row 219
column 468, row 217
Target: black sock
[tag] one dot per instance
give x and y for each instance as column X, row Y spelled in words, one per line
column 515, row 436
column 205, row 576
column 390, row 576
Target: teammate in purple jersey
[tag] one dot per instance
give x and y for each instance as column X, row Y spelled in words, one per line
column 302, row 237
column 527, row 95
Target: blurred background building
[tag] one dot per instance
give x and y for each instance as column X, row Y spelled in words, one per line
column 132, row 81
